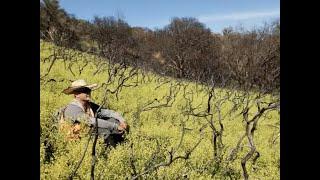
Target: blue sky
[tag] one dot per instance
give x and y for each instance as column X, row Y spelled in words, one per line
column 215, row 14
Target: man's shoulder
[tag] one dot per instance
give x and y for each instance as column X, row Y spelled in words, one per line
column 72, row 108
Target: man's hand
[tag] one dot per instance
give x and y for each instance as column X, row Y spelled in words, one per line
column 122, row 126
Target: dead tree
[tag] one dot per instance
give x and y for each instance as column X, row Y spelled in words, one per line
column 172, row 155
column 251, row 123
column 212, row 114
column 161, row 102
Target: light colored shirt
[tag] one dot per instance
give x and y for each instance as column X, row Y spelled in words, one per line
column 77, row 113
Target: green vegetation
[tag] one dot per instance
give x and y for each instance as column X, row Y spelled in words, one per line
column 155, row 132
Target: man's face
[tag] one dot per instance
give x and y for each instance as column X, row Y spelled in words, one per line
column 83, row 95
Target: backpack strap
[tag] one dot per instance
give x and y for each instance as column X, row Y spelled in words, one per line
column 60, row 115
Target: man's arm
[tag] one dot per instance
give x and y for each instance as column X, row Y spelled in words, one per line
column 77, row 115
column 106, row 113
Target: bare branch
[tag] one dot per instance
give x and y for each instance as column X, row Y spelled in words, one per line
column 172, row 158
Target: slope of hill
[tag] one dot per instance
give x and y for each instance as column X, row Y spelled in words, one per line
column 165, row 115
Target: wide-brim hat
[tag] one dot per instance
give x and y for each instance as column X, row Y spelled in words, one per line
column 78, row 84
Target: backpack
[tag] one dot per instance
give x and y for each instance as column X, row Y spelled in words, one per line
column 72, row 131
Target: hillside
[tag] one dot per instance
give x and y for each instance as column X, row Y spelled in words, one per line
column 165, row 116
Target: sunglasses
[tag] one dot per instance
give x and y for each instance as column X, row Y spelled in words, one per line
column 83, row 90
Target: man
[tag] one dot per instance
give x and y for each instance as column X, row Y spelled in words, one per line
column 82, row 111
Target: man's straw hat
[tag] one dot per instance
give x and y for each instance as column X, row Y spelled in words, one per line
column 77, row 85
